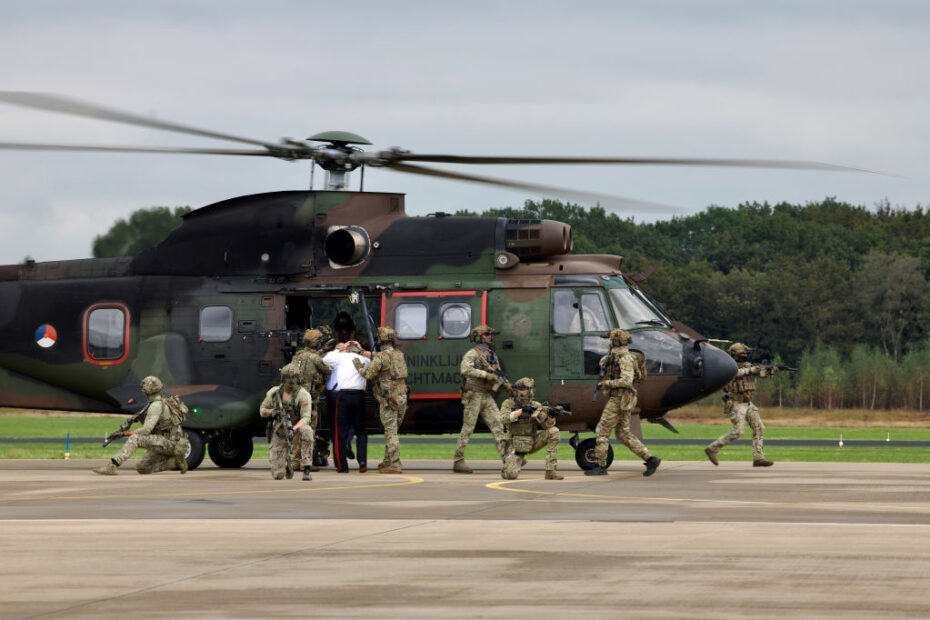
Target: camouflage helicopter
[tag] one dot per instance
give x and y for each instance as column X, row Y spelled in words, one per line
column 216, row 308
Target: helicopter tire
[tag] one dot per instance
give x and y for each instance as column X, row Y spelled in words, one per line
column 584, row 454
column 230, row 450
column 196, row 451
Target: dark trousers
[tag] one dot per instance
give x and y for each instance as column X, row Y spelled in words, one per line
column 349, row 414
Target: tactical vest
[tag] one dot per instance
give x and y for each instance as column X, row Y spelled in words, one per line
column 742, row 388
column 523, row 431
column 310, row 376
column 165, row 425
column 616, row 361
column 482, row 362
column 291, row 406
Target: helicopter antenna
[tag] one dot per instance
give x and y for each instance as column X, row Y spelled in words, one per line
column 361, row 183
column 312, row 170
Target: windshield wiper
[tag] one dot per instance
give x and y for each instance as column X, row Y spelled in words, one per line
column 652, row 322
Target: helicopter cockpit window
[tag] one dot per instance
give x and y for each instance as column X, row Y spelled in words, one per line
column 216, row 323
column 106, row 334
column 565, row 313
column 410, row 321
column 632, row 311
column 454, row 320
column 593, row 314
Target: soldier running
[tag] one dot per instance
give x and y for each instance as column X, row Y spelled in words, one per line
column 738, row 405
column 482, row 377
column 621, row 372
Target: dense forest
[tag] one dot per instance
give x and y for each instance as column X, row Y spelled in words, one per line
column 839, row 290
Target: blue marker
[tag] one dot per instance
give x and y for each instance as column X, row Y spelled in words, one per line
column 68, row 446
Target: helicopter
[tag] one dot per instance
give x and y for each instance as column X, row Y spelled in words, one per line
column 218, row 306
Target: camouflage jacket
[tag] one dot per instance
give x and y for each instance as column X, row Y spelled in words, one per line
column 387, row 373
column 157, row 418
column 478, row 371
column 742, row 387
column 538, row 420
column 623, row 371
column 313, row 372
column 298, row 405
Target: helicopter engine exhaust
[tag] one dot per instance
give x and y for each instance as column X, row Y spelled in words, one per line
column 347, row 246
column 534, row 239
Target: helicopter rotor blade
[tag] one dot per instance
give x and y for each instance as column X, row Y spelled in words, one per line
column 30, row 146
column 401, row 156
column 615, row 202
column 64, row 105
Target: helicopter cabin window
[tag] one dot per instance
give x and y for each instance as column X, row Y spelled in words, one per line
column 454, row 320
column 410, row 321
column 216, row 323
column 106, row 333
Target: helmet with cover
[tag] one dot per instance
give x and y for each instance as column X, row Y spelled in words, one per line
column 482, row 330
column 738, row 351
column 152, row 385
column 524, row 390
column 619, row 337
column 312, row 338
column 290, row 376
column 386, row 335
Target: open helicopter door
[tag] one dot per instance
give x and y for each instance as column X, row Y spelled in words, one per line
column 579, row 319
column 433, row 329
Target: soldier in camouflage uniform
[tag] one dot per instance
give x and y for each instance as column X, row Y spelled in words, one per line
column 160, row 435
column 387, row 374
column 313, row 376
column 738, row 405
column 529, row 428
column 622, row 370
column 481, row 377
column 297, row 404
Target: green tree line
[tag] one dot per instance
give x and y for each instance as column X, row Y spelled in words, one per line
column 839, row 290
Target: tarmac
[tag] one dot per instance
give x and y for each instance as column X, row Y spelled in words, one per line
column 809, row 540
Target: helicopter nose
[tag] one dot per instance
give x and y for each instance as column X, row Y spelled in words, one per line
column 719, row 368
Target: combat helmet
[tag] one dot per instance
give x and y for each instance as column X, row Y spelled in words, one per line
column 386, row 335
column 524, row 383
column 738, row 348
column 152, row 385
column 619, row 337
column 312, row 338
column 290, row 375
column 482, row 330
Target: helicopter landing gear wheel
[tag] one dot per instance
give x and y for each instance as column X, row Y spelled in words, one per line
column 196, row 451
column 584, row 454
column 230, row 450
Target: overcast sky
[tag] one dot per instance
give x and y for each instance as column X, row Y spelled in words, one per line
column 838, row 82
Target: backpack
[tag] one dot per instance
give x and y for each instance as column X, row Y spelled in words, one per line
column 177, row 408
column 639, row 372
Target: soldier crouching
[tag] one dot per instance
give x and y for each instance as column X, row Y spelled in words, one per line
column 293, row 427
column 528, row 428
column 161, row 436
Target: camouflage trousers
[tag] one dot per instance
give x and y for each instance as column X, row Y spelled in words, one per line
column 297, row 448
column 549, row 439
column 391, row 419
column 617, row 414
column 475, row 404
column 277, row 451
column 740, row 414
column 161, row 453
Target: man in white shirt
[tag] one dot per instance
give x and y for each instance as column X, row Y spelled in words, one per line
column 346, row 403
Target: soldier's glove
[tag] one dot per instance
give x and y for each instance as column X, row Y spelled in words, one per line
column 528, row 408
column 357, row 363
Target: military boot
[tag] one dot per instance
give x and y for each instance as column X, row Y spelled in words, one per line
column 596, row 471
column 390, row 469
column 307, row 474
column 652, row 465
column 762, row 463
column 712, row 455
column 552, row 474
column 460, row 467
column 107, row 470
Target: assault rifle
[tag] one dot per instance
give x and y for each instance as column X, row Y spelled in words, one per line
column 490, row 366
column 769, row 365
column 600, row 377
column 121, row 432
column 552, row 411
column 280, row 415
